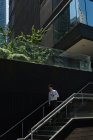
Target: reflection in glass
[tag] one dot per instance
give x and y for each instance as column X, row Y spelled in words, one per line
column 81, row 11
column 77, row 11
column 61, row 24
column 89, row 9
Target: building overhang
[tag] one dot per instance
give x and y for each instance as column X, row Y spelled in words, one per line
column 79, row 40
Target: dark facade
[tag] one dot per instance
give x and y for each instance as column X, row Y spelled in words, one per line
column 2, row 16
column 3, row 13
column 23, row 15
column 69, row 25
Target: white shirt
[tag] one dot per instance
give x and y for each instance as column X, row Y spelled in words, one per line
column 53, row 95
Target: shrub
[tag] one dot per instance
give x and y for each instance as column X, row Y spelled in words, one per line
column 4, row 53
column 20, row 57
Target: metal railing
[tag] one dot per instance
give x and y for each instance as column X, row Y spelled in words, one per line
column 42, row 106
column 72, row 119
column 55, row 111
column 22, row 121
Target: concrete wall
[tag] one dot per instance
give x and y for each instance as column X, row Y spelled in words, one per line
column 45, row 12
column 24, row 15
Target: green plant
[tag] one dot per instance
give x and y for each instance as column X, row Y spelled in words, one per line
column 35, row 38
column 26, row 47
column 4, row 53
column 3, row 35
column 20, row 57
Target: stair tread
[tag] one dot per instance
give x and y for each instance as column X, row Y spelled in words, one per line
column 47, row 130
column 42, row 135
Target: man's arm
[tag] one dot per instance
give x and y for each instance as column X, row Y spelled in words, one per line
column 57, row 95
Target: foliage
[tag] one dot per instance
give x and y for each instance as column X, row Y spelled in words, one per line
column 4, row 53
column 25, row 47
column 35, row 38
column 20, row 57
column 40, row 54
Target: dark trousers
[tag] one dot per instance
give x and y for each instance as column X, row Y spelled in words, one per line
column 53, row 105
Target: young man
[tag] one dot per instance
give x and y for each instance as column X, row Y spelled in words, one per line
column 53, row 96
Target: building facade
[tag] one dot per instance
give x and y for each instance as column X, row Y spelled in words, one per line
column 3, row 13
column 69, row 25
column 23, row 15
column 2, row 16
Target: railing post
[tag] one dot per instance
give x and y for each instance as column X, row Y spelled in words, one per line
column 22, row 130
column 43, row 111
column 31, row 134
column 66, row 110
column 82, row 98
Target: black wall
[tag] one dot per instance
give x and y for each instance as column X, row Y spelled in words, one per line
column 23, row 87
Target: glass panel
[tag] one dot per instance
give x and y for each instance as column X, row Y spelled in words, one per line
column 89, row 8
column 61, row 25
column 83, row 106
column 84, row 11
column 84, row 95
column 81, row 11
column 63, row 59
column 73, row 14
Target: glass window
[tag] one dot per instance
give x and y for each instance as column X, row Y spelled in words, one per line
column 73, row 14
column 89, row 9
column 81, row 11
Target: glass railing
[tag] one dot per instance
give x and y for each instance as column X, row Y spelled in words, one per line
column 56, row 57
column 22, row 51
column 78, row 106
column 60, row 58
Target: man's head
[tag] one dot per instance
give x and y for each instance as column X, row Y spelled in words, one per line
column 50, row 87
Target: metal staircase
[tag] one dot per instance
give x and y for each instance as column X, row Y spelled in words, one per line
column 78, row 105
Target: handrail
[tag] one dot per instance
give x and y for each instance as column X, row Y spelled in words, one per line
column 44, row 120
column 39, row 108
column 23, row 119
column 39, row 124
column 90, row 83
column 77, row 118
column 65, row 101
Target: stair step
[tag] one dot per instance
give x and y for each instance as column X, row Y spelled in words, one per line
column 45, row 132
column 42, row 137
column 51, row 127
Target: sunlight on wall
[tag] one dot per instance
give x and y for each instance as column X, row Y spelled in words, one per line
column 7, row 11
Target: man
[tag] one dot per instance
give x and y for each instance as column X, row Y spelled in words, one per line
column 53, row 96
